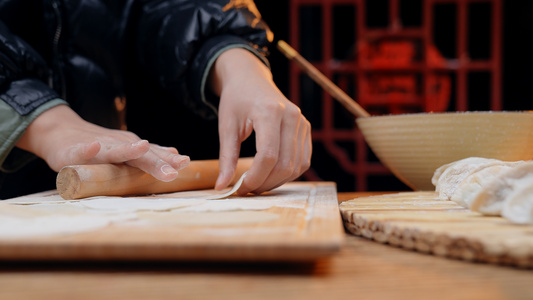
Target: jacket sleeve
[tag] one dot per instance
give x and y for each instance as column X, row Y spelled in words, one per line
column 179, row 41
column 23, row 95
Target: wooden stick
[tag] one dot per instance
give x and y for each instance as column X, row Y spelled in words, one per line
column 323, row 81
column 80, row 181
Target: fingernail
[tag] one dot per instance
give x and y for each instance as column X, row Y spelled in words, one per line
column 221, row 182
column 138, row 143
column 168, row 170
column 182, row 160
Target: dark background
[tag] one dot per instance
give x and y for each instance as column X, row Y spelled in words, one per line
column 517, row 48
column 517, row 77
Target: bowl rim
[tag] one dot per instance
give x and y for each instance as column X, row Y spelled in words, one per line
column 451, row 113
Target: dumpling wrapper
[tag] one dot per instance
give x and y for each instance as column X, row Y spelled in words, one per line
column 133, row 204
column 232, row 191
column 42, row 220
column 51, row 197
column 16, row 227
column 221, row 218
column 123, row 205
column 230, row 205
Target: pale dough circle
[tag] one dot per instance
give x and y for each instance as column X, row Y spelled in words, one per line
column 47, row 214
column 123, row 205
column 225, row 218
column 229, row 205
column 16, row 227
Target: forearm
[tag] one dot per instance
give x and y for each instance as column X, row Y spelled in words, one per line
column 13, row 128
column 44, row 130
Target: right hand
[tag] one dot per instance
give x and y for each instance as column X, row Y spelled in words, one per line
column 62, row 138
column 251, row 101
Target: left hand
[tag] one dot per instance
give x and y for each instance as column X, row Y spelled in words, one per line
column 61, row 138
column 250, row 101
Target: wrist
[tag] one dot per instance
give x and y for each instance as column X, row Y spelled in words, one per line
column 39, row 135
column 237, row 66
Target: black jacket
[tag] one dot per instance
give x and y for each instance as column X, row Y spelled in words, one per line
column 91, row 52
column 78, row 48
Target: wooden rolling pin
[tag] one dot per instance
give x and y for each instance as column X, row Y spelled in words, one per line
column 80, row 181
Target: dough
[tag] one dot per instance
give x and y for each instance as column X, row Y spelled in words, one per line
column 229, row 205
column 470, row 161
column 225, row 218
column 18, row 211
column 448, row 177
column 490, row 200
column 29, row 221
column 13, row 227
column 518, row 206
column 468, row 189
column 43, row 197
column 47, row 213
column 488, row 186
column 54, row 208
column 236, row 186
column 131, row 204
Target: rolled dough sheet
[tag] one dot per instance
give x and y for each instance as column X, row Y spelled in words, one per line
column 50, row 209
column 230, row 205
column 29, row 221
column 236, row 186
column 39, row 198
column 221, row 218
column 119, row 204
column 48, row 214
column 122, row 205
column 43, row 226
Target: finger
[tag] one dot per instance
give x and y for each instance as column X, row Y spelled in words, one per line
column 75, row 155
column 121, row 151
column 267, row 144
column 230, row 146
column 303, row 155
column 290, row 146
column 90, row 150
column 308, row 148
column 171, row 156
column 155, row 166
column 169, row 149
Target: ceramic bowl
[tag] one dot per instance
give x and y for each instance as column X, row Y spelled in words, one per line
column 413, row 146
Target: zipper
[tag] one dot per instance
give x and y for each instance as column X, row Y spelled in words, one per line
column 57, row 53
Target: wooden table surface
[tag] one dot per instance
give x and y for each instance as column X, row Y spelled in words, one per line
column 362, row 270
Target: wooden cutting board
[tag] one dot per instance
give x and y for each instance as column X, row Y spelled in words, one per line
column 418, row 221
column 307, row 229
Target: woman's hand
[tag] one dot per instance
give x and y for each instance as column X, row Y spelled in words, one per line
column 250, row 101
column 62, row 138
